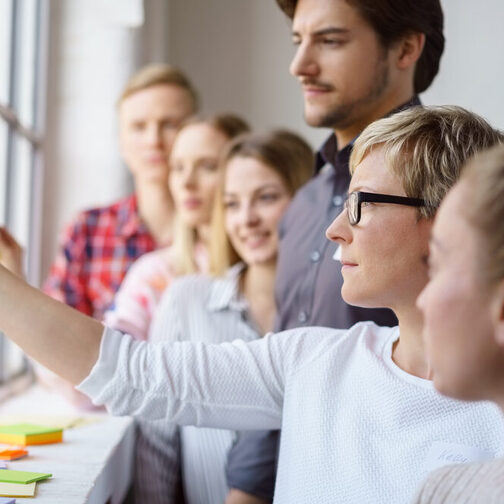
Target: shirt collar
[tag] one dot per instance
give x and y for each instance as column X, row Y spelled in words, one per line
column 128, row 219
column 329, row 154
column 225, row 291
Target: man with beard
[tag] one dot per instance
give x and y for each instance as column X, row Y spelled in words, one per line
column 356, row 61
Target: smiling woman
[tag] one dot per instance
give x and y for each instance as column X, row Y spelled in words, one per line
column 259, row 176
column 361, row 391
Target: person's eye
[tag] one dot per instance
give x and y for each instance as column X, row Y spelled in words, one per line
column 230, row 205
column 176, row 167
column 296, row 41
column 332, row 42
column 208, row 165
column 269, row 197
column 138, row 126
column 169, row 125
column 366, row 203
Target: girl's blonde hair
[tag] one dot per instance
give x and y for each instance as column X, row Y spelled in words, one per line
column 286, row 153
column 184, row 237
column 485, row 210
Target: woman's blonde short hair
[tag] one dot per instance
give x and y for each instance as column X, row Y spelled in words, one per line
column 158, row 74
column 485, row 209
column 286, row 153
column 184, row 237
column 426, row 148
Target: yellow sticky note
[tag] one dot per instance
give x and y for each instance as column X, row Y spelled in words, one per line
column 17, row 490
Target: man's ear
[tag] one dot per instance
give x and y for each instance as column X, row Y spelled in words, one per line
column 497, row 311
column 410, row 49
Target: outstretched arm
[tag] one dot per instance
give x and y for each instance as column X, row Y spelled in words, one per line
column 57, row 336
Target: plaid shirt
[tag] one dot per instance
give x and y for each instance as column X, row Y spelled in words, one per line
column 97, row 250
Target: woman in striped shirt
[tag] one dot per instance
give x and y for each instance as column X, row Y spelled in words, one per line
column 260, row 174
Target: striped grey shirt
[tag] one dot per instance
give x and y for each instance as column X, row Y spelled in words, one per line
column 194, row 308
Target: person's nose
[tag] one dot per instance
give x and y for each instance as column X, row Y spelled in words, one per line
column 153, row 135
column 339, row 230
column 190, row 177
column 304, row 63
column 420, row 300
column 249, row 216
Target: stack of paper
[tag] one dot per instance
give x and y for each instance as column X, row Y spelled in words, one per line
column 28, row 434
column 4, row 500
column 17, row 490
column 20, row 483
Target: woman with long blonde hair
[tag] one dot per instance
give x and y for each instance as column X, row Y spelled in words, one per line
column 193, row 180
column 260, row 174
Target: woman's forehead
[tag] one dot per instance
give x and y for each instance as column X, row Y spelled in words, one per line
column 373, row 174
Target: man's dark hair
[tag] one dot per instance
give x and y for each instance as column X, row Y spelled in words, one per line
column 392, row 20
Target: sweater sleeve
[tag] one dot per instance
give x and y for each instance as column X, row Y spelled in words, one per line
column 234, row 385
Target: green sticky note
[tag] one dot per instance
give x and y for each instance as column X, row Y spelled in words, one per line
column 24, row 477
column 27, row 429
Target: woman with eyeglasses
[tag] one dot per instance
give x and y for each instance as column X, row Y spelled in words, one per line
column 361, row 421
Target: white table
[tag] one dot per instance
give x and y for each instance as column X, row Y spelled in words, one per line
column 93, row 465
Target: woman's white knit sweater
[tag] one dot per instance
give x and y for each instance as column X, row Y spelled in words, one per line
column 355, row 428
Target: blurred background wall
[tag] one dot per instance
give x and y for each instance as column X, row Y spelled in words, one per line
column 237, row 53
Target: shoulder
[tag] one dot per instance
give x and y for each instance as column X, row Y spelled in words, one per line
column 154, row 260
column 482, row 479
column 304, row 346
column 113, row 209
column 91, row 217
column 307, row 200
column 196, row 287
column 154, row 269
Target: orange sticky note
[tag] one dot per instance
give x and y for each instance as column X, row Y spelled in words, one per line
column 13, row 454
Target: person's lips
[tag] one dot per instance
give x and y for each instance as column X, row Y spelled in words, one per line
column 155, row 158
column 192, row 203
column 347, row 265
column 255, row 240
column 313, row 88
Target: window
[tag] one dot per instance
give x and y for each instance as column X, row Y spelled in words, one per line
column 23, row 30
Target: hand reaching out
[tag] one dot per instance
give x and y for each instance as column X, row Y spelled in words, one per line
column 11, row 253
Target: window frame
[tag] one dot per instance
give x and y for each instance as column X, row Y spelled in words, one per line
column 21, row 217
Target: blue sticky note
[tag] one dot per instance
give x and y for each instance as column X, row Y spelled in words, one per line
column 7, row 500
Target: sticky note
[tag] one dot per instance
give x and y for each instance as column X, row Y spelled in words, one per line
column 13, row 454
column 29, row 434
column 24, row 477
column 15, row 490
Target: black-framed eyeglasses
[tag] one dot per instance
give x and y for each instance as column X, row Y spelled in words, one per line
column 355, row 199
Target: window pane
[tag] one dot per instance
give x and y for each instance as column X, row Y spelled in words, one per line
column 5, row 48
column 20, row 189
column 26, row 36
column 14, row 360
column 3, row 169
